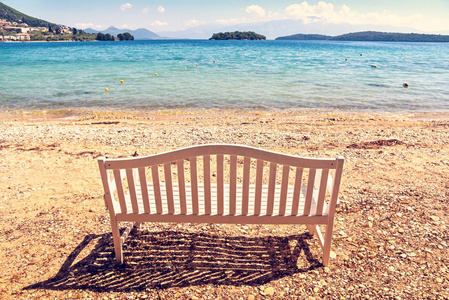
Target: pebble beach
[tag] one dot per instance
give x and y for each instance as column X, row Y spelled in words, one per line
column 391, row 232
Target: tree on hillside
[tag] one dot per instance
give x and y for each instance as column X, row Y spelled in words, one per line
column 237, row 35
column 105, row 37
column 100, row 36
column 125, row 36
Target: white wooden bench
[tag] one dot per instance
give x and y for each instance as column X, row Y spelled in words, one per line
column 222, row 184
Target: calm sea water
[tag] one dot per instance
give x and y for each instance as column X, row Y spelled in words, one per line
column 245, row 74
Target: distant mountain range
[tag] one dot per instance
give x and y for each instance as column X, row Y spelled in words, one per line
column 139, row 34
column 273, row 29
column 372, row 36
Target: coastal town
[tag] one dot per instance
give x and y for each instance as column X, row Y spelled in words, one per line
column 16, row 31
column 11, row 31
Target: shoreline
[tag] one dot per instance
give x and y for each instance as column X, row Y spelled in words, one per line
column 67, row 114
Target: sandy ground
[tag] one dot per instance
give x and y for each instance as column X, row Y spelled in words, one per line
column 392, row 229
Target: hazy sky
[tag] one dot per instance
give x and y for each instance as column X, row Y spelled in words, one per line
column 423, row 15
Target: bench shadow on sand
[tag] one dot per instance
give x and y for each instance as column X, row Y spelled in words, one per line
column 168, row 259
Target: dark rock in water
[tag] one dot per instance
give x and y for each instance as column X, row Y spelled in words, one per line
column 377, row 85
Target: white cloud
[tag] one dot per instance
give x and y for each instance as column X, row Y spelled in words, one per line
column 322, row 11
column 194, row 23
column 256, row 14
column 231, row 21
column 161, row 9
column 327, row 13
column 90, row 25
column 433, row 25
column 145, row 10
column 255, row 11
column 126, row 26
column 84, row 25
column 126, row 6
column 159, row 23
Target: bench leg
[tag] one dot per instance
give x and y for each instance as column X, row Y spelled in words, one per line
column 328, row 243
column 315, row 230
column 325, row 242
column 128, row 230
column 312, row 229
column 117, row 242
column 120, row 240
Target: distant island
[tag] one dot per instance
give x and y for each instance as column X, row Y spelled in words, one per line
column 371, row 36
column 17, row 26
column 237, row 35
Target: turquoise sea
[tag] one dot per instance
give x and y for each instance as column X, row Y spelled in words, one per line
column 245, row 74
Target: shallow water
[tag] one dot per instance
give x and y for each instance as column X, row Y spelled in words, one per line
column 245, row 74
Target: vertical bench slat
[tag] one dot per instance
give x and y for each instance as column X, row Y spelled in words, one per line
column 259, row 183
column 157, row 188
column 330, row 188
column 284, row 188
column 322, row 193
column 105, row 178
column 132, row 190
column 333, row 202
column 309, row 193
column 297, row 191
column 232, row 184
column 207, row 191
column 220, row 184
column 119, row 187
column 182, row 186
column 144, row 190
column 246, row 177
column 169, row 188
column 271, row 188
column 332, row 205
column 194, row 183
column 316, row 183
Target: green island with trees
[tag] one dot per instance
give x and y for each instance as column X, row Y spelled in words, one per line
column 17, row 26
column 371, row 36
column 238, row 35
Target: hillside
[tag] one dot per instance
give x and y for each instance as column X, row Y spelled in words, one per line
column 305, row 37
column 17, row 26
column 372, row 36
column 391, row 37
column 12, row 15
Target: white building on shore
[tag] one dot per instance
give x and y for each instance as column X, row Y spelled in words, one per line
column 18, row 37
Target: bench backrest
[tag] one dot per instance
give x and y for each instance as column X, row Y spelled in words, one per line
column 224, row 180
